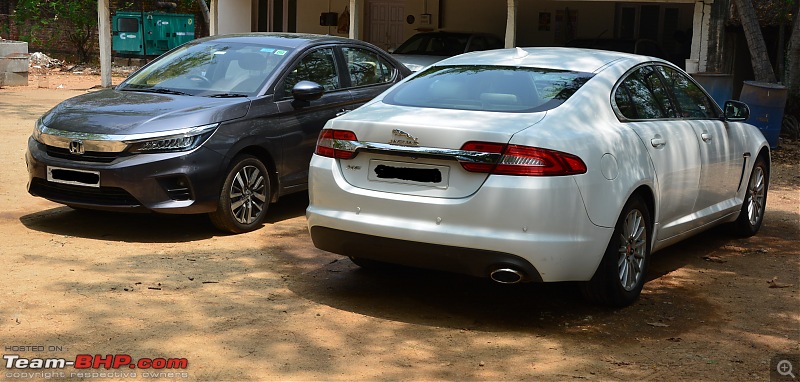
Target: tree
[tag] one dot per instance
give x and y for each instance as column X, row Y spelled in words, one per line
column 793, row 59
column 762, row 68
column 75, row 20
column 204, row 10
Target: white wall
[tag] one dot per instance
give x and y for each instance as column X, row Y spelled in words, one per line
column 308, row 12
column 476, row 16
column 593, row 19
column 234, row 16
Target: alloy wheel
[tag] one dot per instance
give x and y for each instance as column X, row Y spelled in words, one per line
column 632, row 250
column 757, row 193
column 248, row 194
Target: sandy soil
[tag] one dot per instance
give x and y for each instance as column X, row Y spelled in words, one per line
column 268, row 306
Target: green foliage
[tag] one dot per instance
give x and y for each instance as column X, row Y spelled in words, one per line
column 774, row 12
column 184, row 6
column 76, row 20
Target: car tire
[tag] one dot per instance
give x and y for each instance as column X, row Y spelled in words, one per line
column 620, row 276
column 755, row 200
column 244, row 197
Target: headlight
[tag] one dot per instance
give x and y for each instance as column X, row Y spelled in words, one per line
column 37, row 130
column 184, row 141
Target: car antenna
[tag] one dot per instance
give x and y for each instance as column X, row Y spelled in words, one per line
column 521, row 53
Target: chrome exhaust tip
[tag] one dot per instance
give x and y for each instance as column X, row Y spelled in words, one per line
column 506, row 276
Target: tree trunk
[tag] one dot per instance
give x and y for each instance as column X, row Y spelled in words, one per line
column 204, row 9
column 793, row 59
column 762, row 68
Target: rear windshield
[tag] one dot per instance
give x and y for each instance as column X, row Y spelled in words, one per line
column 488, row 88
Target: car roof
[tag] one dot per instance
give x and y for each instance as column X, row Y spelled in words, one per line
column 289, row 40
column 573, row 59
column 454, row 33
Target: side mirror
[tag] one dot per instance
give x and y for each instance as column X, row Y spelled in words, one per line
column 736, row 111
column 307, row 91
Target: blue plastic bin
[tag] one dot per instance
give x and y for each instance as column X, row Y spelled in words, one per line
column 718, row 85
column 766, row 102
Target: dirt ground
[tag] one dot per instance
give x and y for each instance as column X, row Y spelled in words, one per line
column 267, row 305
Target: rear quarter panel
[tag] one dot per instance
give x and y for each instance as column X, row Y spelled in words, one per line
column 586, row 126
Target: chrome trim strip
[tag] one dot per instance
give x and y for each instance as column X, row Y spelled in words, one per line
column 91, row 142
column 460, row 155
column 109, row 143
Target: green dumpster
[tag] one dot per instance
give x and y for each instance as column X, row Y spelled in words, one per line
column 150, row 33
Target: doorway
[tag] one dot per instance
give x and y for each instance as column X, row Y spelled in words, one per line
column 385, row 23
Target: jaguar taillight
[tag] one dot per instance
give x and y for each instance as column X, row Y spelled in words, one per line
column 339, row 144
column 524, row 160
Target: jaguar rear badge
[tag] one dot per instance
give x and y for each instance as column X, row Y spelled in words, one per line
column 402, row 138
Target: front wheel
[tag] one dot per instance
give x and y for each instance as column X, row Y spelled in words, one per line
column 244, row 196
column 620, row 276
column 755, row 201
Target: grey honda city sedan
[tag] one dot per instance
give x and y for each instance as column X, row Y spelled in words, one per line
column 223, row 125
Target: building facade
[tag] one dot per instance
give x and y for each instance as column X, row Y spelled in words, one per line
column 683, row 29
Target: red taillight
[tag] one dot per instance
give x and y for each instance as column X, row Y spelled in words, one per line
column 336, row 144
column 482, row 147
column 524, row 160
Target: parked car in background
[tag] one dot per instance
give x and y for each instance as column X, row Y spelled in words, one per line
column 538, row 164
column 644, row 47
column 223, row 125
column 423, row 49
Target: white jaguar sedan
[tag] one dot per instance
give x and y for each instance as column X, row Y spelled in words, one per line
column 536, row 165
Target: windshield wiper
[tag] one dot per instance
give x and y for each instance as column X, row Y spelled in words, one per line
column 158, row 90
column 227, row 95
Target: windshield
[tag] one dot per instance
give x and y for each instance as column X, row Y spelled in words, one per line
column 212, row 69
column 488, row 88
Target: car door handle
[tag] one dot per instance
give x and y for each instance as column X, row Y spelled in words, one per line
column 658, row 142
column 343, row 112
column 706, row 137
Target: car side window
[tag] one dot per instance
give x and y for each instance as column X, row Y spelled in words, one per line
column 692, row 101
column 642, row 95
column 366, row 67
column 318, row 66
column 477, row 43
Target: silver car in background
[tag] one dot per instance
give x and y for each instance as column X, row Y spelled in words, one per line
column 423, row 49
column 537, row 165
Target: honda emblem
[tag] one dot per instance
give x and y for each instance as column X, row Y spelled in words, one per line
column 76, row 147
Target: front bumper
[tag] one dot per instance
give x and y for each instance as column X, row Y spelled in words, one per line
column 540, row 221
column 180, row 183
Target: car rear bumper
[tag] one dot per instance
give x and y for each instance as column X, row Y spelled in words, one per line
column 181, row 183
column 539, row 221
column 470, row 261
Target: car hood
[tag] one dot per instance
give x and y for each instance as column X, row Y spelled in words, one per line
column 416, row 62
column 127, row 112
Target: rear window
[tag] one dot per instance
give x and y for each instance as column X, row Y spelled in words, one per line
column 488, row 88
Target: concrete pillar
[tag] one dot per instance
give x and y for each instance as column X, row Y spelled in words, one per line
column 213, row 23
column 104, row 32
column 701, row 26
column 511, row 24
column 355, row 18
column 14, row 63
column 236, row 15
